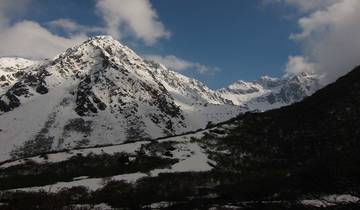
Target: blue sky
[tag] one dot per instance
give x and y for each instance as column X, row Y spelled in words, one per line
column 217, row 42
column 250, row 38
column 244, row 39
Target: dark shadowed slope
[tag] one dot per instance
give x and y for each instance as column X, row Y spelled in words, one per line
column 309, row 147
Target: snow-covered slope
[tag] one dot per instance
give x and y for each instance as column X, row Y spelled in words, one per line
column 101, row 92
column 185, row 89
column 189, row 156
column 11, row 69
column 10, row 63
column 199, row 103
column 269, row 93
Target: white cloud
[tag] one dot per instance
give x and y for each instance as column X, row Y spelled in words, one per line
column 72, row 27
column 136, row 16
column 65, row 24
column 298, row 64
column 29, row 39
column 329, row 36
column 178, row 64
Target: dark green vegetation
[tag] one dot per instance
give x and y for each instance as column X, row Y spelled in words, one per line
column 96, row 166
column 267, row 160
column 184, row 190
column 309, row 147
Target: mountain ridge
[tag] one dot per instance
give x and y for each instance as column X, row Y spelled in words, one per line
column 269, row 93
column 102, row 92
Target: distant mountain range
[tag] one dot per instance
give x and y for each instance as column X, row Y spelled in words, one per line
column 101, row 92
column 269, row 93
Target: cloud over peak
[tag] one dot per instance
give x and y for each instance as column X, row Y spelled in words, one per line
column 179, row 64
column 328, row 34
column 137, row 17
column 29, row 39
column 298, row 64
column 73, row 27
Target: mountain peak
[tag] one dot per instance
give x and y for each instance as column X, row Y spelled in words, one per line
column 106, row 46
column 104, row 41
column 97, row 54
column 103, row 37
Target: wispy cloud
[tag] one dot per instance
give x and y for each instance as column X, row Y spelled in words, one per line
column 73, row 27
column 178, row 64
column 305, row 5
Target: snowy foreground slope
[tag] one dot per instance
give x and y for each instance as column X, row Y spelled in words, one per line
column 189, row 156
column 101, row 92
column 184, row 155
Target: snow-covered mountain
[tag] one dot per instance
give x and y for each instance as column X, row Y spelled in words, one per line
column 269, row 93
column 101, row 92
column 97, row 93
